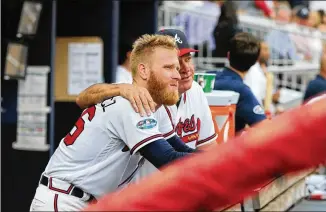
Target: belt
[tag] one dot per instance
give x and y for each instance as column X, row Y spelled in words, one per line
column 75, row 191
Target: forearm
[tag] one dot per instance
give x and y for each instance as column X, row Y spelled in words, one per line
column 97, row 93
column 179, row 145
column 160, row 153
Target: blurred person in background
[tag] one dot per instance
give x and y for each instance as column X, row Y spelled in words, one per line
column 302, row 43
column 317, row 85
column 123, row 73
column 321, row 13
column 324, row 17
column 301, row 16
column 315, row 19
column 256, row 76
column 322, row 26
column 267, row 7
column 225, row 29
column 295, row 3
column 256, row 7
column 243, row 53
column 280, row 43
column 308, row 48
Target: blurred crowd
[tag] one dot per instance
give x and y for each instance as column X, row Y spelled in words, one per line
column 295, row 16
column 293, row 40
column 277, row 46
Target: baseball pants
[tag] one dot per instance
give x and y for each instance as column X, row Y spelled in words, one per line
column 57, row 196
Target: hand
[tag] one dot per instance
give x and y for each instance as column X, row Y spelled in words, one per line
column 276, row 96
column 139, row 98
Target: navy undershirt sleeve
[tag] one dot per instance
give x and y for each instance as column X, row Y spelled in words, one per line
column 160, row 153
column 179, row 145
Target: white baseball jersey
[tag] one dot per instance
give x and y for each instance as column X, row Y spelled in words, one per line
column 192, row 121
column 100, row 153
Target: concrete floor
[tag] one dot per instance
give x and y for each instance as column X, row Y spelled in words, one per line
column 310, row 205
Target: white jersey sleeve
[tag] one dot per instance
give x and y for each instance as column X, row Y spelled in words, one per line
column 137, row 131
column 206, row 132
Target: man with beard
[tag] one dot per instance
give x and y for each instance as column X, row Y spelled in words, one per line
column 109, row 141
column 191, row 116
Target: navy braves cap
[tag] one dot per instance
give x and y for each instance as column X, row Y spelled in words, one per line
column 180, row 39
column 303, row 13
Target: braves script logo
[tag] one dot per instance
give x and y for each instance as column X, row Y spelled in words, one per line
column 188, row 126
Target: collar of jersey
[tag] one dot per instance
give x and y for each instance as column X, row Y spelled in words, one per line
column 320, row 77
column 228, row 72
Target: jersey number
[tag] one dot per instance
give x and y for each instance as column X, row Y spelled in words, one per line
column 71, row 138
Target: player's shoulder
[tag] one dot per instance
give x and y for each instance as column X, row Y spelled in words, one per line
column 195, row 86
column 237, row 86
column 117, row 103
column 317, row 82
column 229, row 83
column 195, row 89
column 120, row 106
column 313, row 83
column 247, row 97
column 245, row 90
column 163, row 112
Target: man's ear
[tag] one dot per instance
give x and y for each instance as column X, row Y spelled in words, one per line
column 143, row 71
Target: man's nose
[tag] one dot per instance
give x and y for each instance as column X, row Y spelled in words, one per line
column 176, row 75
column 184, row 68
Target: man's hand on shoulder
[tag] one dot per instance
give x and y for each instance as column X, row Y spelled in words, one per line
column 139, row 98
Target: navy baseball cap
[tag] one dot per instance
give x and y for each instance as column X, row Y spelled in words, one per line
column 302, row 13
column 180, row 39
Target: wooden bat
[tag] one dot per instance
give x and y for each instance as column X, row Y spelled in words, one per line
column 269, row 92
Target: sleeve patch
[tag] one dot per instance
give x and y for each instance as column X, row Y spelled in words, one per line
column 146, row 124
column 258, row 110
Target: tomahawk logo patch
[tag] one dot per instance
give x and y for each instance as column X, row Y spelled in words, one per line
column 258, row 110
column 177, row 39
column 146, row 124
